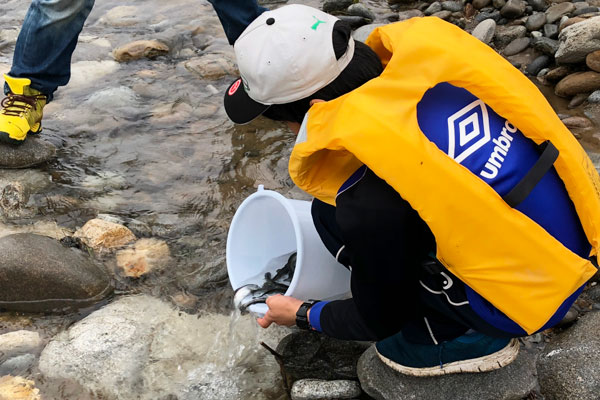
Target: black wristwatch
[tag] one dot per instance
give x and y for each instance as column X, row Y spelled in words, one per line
column 301, row 316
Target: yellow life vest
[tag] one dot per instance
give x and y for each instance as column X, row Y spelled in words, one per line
column 513, row 263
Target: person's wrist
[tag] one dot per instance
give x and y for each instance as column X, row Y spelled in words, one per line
column 302, row 315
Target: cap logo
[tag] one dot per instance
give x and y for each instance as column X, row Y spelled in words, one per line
column 316, row 24
column 234, row 87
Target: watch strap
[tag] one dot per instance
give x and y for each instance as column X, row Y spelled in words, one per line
column 302, row 315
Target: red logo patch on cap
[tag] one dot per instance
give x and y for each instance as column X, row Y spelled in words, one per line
column 234, row 87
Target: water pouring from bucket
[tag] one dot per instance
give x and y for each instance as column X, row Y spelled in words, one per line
column 273, row 247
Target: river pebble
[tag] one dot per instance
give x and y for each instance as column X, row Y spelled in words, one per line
column 20, row 342
column 143, row 257
column 485, row 30
column 513, row 9
column 577, row 122
column 545, row 45
column 517, row 46
column 317, row 389
column 212, row 66
column 32, row 152
column 578, row 41
column 578, row 100
column 362, row 11
column 140, row 49
column 103, row 235
column 506, row 34
column 551, row 31
column 38, row 274
column 579, row 82
column 535, row 21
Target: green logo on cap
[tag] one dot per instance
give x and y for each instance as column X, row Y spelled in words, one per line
column 319, row 22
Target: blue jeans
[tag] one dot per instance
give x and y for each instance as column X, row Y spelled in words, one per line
column 236, row 15
column 46, row 43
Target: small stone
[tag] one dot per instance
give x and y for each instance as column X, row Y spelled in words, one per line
column 594, row 97
column 579, row 82
column 577, row 100
column 330, row 6
column 13, row 197
column 536, row 34
column 585, row 10
column 536, row 65
column 17, row 388
column 482, row 16
column 565, row 22
column 506, row 34
column 513, row 9
column 479, row 4
column 362, row 33
column 404, row 15
column 17, row 365
column 32, row 152
column 556, row 11
column 453, row 6
column 140, row 49
column 576, row 123
column 102, row 235
column 551, row 31
column 485, row 30
column 444, row 14
column 535, row 21
column 317, row 389
column 144, row 256
column 16, row 343
column 592, row 60
column 537, row 5
column 354, row 20
column 469, row 10
column 434, row 7
column 498, row 4
column 212, row 66
column 361, row 10
column 517, row 46
column 545, row 45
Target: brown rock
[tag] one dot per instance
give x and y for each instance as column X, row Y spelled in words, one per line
column 17, row 388
column 103, row 235
column 579, row 82
column 469, row 10
column 592, row 60
column 212, row 66
column 569, row 22
column 143, row 257
column 577, row 122
column 578, row 100
column 556, row 74
column 140, row 49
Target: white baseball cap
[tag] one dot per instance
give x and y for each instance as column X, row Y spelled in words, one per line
column 284, row 55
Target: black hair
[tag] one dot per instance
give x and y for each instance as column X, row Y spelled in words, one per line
column 364, row 66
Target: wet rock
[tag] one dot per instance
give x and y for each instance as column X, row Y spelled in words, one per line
column 18, row 388
column 331, row 6
column 513, row 9
column 579, row 82
column 556, row 74
column 538, row 64
column 585, row 10
column 535, row 21
column 577, row 122
column 144, row 256
column 103, row 235
column 317, row 389
column 32, row 152
column 212, row 66
column 551, row 31
column 514, row 381
column 556, row 11
column 13, row 198
column 362, row 33
column 568, row 366
column 479, row 4
column 434, row 7
column 537, row 5
column 139, row 347
column 592, row 60
column 17, row 343
column 536, row 34
column 404, row 15
column 122, row 16
column 17, row 365
column 565, row 23
column 506, row 34
column 516, row 46
column 444, row 14
column 38, row 274
column 594, row 97
column 85, row 73
column 453, row 6
column 485, row 30
column 577, row 100
column 578, row 40
column 361, row 10
column 311, row 355
column 116, row 98
column 140, row 49
column 482, row 16
column 498, row 4
column 545, row 45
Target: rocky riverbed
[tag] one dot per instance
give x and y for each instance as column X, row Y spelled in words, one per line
column 117, row 215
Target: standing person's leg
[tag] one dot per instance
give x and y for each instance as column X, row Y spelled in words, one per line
column 41, row 63
column 236, row 15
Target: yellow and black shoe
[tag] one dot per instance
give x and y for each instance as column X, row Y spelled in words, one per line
column 22, row 111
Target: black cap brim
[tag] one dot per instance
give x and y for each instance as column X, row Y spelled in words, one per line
column 240, row 108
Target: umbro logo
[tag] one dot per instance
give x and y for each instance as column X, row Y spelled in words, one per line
column 468, row 130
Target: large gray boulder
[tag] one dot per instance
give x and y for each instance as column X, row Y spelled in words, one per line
column 570, row 365
column 38, row 274
column 32, row 152
column 578, row 40
column 513, row 382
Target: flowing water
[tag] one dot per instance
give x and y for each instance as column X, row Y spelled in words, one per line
column 148, row 142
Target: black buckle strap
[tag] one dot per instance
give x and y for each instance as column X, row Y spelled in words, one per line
column 533, row 176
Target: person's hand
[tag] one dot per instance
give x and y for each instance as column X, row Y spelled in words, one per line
column 282, row 311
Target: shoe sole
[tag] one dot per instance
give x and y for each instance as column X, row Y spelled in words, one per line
column 490, row 362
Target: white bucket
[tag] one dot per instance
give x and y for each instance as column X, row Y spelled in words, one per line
column 267, row 225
